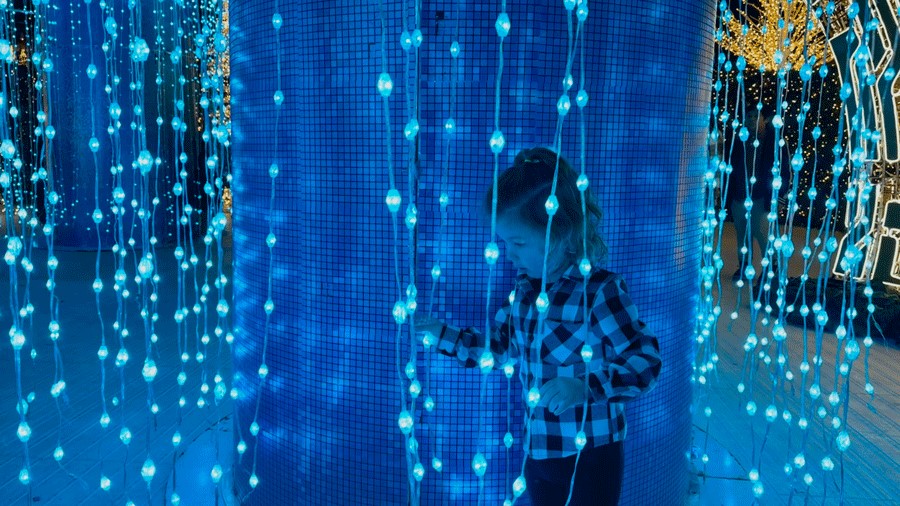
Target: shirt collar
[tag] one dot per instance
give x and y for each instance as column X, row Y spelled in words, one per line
column 572, row 274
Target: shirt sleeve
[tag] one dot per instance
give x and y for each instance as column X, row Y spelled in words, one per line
column 629, row 363
column 466, row 345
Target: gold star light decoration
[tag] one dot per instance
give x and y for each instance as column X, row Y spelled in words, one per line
column 775, row 33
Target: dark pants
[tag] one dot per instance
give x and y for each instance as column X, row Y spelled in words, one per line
column 598, row 481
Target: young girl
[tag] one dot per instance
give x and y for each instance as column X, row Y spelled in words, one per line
column 580, row 357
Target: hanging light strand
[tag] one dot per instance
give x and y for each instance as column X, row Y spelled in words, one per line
column 216, row 215
column 179, row 196
column 269, row 306
column 410, row 43
column 45, row 179
column 13, row 184
column 585, row 267
column 145, row 265
column 98, row 217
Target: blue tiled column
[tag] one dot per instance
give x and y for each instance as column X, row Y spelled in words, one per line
column 328, row 417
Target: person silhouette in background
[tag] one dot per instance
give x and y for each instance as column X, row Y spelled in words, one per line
column 750, row 182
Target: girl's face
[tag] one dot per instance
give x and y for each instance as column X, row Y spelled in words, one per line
column 525, row 248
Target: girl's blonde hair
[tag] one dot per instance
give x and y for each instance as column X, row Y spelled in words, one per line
column 525, row 187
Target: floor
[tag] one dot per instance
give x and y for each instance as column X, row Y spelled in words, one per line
column 72, row 421
column 869, row 466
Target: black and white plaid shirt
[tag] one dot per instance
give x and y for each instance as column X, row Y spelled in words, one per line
column 625, row 361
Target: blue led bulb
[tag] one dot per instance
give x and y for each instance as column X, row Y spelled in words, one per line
column 406, row 40
column 563, row 105
column 393, row 200
column 110, row 25
column 454, row 49
column 24, row 432
column 542, row 302
column 216, row 473
column 497, row 142
column 533, row 397
column 843, row 441
column 7, row 149
column 491, row 253
column 503, row 25
column 581, row 99
column 385, row 85
column 148, row 470
column 486, row 362
column 552, row 205
column 149, row 370
column 125, row 436
column 806, row 72
column 479, row 464
column 411, row 129
column 418, row 471
column 411, row 216
column 405, row 422
column 851, row 350
column 140, row 51
column 582, row 12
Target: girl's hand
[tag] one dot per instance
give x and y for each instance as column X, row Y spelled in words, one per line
column 425, row 323
column 560, row 394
